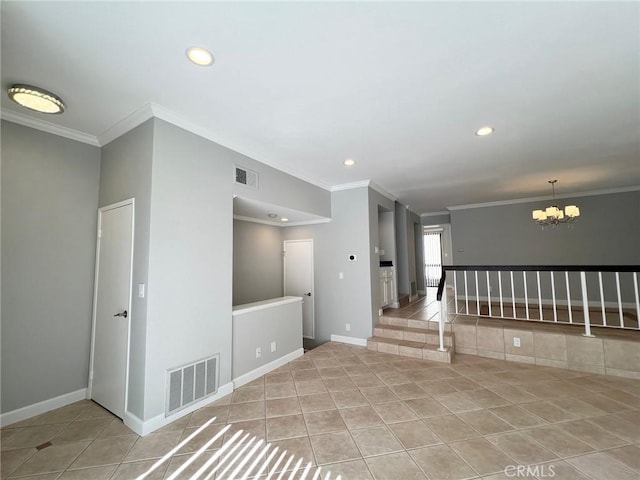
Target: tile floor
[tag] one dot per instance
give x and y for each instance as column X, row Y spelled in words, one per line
column 367, row 415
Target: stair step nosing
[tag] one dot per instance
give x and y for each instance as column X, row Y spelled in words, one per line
column 397, row 328
column 394, row 341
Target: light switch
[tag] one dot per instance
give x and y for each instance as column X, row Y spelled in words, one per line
column 141, row 290
column 341, row 275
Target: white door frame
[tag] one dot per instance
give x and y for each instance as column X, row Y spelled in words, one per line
column 284, row 281
column 101, row 210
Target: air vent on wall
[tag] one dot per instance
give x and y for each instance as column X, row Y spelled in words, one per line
column 246, row 177
column 191, row 383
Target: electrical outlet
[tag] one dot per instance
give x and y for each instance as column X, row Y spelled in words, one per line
column 273, row 346
column 516, row 341
column 347, row 327
column 258, row 352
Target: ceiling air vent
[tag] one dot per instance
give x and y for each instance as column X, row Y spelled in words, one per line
column 246, row 177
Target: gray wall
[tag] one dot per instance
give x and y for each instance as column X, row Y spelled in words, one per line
column 49, row 213
column 419, row 243
column 428, row 220
column 412, row 220
column 183, row 186
column 405, row 248
column 126, row 173
column 190, row 258
column 257, row 262
column 386, row 234
column 281, row 324
column 381, row 234
column 278, row 188
column 402, row 252
column 338, row 302
column 608, row 232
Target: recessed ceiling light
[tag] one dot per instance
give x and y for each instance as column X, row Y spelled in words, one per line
column 284, row 219
column 484, row 131
column 349, row 162
column 35, row 98
column 272, row 215
column 200, row 56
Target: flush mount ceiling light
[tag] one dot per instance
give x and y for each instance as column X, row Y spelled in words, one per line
column 554, row 215
column 35, row 98
column 200, row 56
column 349, row 162
column 272, row 215
column 484, row 131
column 284, row 219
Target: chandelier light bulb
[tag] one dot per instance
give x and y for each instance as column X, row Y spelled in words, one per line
column 554, row 215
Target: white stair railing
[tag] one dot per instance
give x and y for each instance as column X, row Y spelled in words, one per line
column 613, row 290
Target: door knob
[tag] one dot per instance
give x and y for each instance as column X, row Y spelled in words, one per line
column 122, row 314
column 307, row 294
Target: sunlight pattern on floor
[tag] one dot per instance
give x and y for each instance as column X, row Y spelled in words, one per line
column 225, row 463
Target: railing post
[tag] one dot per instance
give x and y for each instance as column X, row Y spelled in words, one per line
column 585, row 304
column 443, row 317
column 442, row 292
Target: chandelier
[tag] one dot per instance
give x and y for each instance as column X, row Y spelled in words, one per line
column 553, row 215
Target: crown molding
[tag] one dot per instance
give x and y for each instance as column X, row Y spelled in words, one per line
column 433, row 214
column 589, row 193
column 126, row 124
column 364, row 183
column 350, row 186
column 382, row 191
column 48, row 127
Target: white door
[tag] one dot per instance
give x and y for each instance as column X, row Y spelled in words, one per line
column 111, row 307
column 298, row 279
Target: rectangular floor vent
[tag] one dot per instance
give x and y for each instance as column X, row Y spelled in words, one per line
column 191, row 383
column 246, row 177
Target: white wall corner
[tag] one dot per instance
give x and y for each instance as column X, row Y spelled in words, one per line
column 361, row 342
column 143, row 428
column 126, row 124
column 39, row 408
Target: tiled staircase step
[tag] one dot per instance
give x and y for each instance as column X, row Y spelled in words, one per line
column 407, row 348
column 408, row 322
column 413, row 334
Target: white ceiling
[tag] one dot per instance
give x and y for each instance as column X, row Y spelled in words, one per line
column 400, row 87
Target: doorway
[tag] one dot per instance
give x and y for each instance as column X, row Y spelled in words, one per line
column 108, row 369
column 432, row 256
column 298, row 279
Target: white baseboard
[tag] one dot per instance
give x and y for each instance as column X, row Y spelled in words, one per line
column 143, row 428
column 29, row 411
column 361, row 342
column 266, row 368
